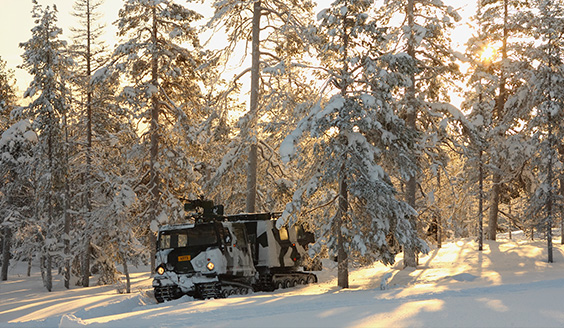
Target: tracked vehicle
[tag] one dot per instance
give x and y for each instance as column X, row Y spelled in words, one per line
column 220, row 255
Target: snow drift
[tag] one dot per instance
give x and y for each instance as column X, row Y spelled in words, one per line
column 508, row 284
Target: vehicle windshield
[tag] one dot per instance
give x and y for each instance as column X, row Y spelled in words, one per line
column 199, row 235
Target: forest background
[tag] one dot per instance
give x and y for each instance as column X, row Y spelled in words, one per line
column 341, row 116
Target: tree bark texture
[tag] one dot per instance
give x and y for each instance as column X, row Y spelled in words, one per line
column 342, row 256
column 410, row 253
column 154, row 183
column 6, row 243
column 126, row 273
column 255, row 75
column 48, row 281
column 494, row 206
column 499, row 113
column 562, row 212
column 549, row 218
column 481, row 204
column 252, row 179
column 88, row 203
column 85, row 268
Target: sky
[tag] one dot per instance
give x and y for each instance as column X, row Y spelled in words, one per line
column 16, row 24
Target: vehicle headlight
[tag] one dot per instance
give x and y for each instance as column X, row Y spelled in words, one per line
column 210, row 266
column 160, row 270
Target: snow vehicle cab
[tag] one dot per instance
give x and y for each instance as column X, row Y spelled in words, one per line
column 219, row 255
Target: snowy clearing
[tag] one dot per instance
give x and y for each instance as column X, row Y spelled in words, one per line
column 508, row 284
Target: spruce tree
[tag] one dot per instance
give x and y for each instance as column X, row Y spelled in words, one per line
column 540, row 101
column 160, row 56
column 46, row 60
column 88, row 50
column 424, row 35
column 350, row 141
column 501, row 30
column 7, row 95
column 16, row 189
column 12, row 153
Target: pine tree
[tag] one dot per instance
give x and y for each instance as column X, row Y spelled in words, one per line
column 89, row 52
column 7, row 95
column 45, row 59
column 10, row 153
column 163, row 76
column 423, row 35
column 479, row 102
column 16, row 187
column 500, row 30
column 540, row 99
column 356, row 136
column 273, row 31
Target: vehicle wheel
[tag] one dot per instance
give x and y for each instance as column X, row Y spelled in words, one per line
column 279, row 285
column 287, row 283
column 311, row 279
column 243, row 291
column 302, row 281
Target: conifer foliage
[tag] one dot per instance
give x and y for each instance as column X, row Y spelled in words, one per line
column 349, row 125
column 271, row 34
column 159, row 58
column 45, row 59
column 7, row 94
column 541, row 100
column 354, row 136
column 421, row 29
column 14, row 150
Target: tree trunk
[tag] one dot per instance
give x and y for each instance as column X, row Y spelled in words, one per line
column 549, row 205
column 342, row 257
column 154, row 183
column 439, row 228
column 510, row 222
column 255, row 75
column 29, row 262
column 252, row 180
column 126, row 273
column 88, row 203
column 6, row 243
column 153, row 251
column 48, row 278
column 562, row 212
column 410, row 253
column 67, row 245
column 66, row 203
column 481, row 204
column 48, row 273
column 42, row 266
column 499, row 113
column 85, row 269
column 494, row 206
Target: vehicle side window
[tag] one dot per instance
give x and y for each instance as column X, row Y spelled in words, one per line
column 182, row 240
column 283, row 234
column 239, row 232
column 300, row 232
column 164, row 241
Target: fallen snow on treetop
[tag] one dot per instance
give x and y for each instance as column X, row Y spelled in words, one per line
column 509, row 283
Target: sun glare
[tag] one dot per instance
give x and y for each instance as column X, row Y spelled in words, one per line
column 488, row 53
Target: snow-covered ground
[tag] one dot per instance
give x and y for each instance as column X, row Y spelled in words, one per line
column 509, row 284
